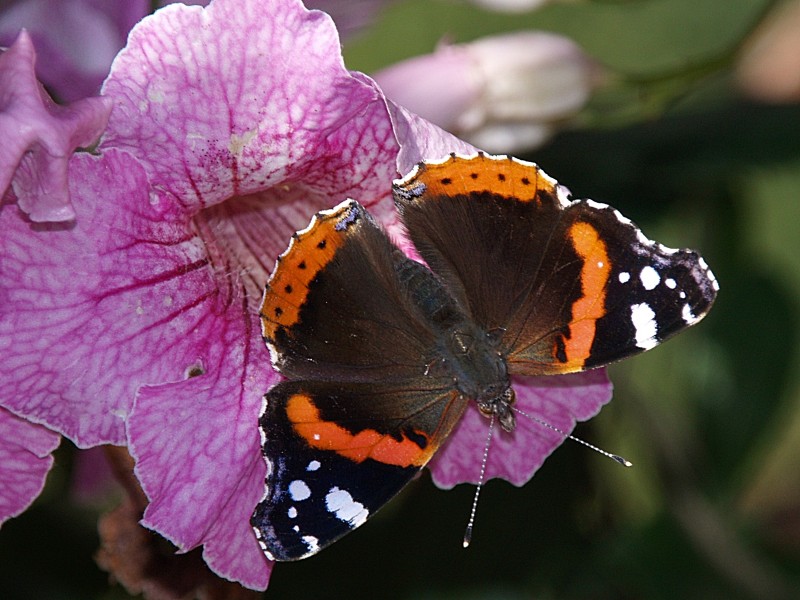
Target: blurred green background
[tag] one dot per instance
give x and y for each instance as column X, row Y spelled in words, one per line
column 710, row 420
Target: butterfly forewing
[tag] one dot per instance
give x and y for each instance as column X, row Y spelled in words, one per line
column 334, row 308
column 572, row 284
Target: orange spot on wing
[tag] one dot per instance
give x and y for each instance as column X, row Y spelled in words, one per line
column 326, row 435
column 591, row 305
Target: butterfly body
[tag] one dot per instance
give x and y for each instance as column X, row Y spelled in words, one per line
column 383, row 354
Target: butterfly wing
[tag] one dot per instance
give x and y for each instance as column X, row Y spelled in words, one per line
column 334, row 308
column 361, row 414
column 337, row 453
column 572, row 284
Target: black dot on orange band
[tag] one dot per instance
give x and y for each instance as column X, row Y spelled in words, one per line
column 447, row 181
column 526, row 181
column 321, row 244
column 473, row 175
column 288, row 289
column 302, row 265
column 501, row 176
column 278, row 311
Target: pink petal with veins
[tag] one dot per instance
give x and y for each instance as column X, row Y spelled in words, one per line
column 25, row 459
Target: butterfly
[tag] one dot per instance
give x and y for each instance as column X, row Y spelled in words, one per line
column 382, row 354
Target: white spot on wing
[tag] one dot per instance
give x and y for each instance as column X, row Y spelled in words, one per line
column 643, row 319
column 563, row 194
column 292, row 512
column 624, row 277
column 298, row 490
column 342, row 504
column 313, row 465
column 670, row 283
column 687, row 314
column 650, row 278
column 312, row 543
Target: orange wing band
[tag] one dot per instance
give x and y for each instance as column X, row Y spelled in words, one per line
column 326, row 435
column 591, row 305
column 308, row 253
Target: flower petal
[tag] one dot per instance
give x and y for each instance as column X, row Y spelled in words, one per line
column 422, row 140
column 93, row 310
column 515, row 457
column 351, row 16
column 25, row 459
column 195, row 440
column 255, row 96
column 39, row 136
column 198, row 454
column 511, row 6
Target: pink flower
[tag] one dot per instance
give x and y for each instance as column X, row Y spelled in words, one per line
column 559, row 401
column 40, row 136
column 76, row 40
column 136, row 323
column 505, row 93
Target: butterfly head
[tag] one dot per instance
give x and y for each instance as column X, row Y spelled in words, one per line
column 500, row 407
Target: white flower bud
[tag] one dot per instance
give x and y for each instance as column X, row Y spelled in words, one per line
column 504, row 93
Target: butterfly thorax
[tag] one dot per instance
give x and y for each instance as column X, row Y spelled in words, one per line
column 465, row 351
column 479, row 369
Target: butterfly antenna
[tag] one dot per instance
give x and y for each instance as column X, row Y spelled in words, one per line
column 615, row 457
column 468, row 532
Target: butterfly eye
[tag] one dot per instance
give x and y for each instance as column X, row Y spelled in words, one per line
column 486, row 409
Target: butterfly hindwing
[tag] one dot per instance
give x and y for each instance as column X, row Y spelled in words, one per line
column 572, row 284
column 336, row 453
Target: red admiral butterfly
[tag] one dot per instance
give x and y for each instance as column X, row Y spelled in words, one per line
column 383, row 354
